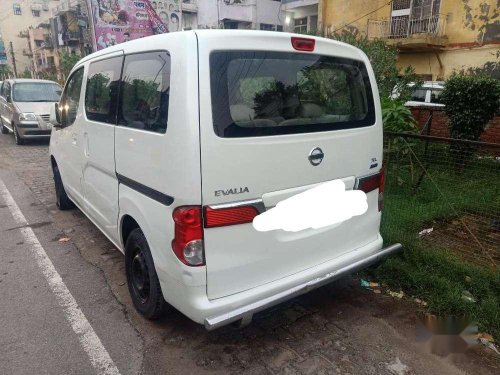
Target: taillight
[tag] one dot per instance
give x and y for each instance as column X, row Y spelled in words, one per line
column 381, row 190
column 221, row 217
column 303, row 44
column 371, row 183
column 188, row 241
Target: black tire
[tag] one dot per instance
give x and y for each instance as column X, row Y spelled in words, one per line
column 62, row 200
column 3, row 129
column 143, row 284
column 18, row 139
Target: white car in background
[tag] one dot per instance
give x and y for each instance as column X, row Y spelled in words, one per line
column 426, row 95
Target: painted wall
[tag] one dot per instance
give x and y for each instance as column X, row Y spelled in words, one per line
column 467, row 21
column 337, row 13
column 472, row 31
column 455, row 59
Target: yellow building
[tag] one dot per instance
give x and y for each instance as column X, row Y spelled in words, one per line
column 436, row 37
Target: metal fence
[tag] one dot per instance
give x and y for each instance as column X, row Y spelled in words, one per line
column 443, row 193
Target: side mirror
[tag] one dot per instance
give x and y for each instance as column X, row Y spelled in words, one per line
column 58, row 123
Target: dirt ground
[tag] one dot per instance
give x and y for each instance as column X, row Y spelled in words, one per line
column 338, row 329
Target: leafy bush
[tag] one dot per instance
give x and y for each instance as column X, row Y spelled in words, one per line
column 396, row 116
column 470, row 103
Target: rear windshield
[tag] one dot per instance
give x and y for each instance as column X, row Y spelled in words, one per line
column 257, row 93
column 36, row 92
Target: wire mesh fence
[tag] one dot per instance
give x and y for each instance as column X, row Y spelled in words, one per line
column 444, row 194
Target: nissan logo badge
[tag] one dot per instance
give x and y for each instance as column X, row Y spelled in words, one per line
column 316, row 156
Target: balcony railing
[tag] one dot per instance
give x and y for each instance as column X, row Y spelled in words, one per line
column 65, row 6
column 405, row 27
column 189, row 5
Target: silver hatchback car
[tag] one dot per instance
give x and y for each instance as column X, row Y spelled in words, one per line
column 27, row 107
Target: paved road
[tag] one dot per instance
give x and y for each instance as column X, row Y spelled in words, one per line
column 65, row 308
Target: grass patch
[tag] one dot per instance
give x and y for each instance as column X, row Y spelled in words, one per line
column 430, row 272
column 440, row 278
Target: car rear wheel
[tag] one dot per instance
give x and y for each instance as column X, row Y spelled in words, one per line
column 62, row 200
column 142, row 280
column 17, row 137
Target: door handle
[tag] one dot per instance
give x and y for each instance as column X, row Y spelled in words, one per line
column 86, row 145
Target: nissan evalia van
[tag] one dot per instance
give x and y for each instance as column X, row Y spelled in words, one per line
column 172, row 144
column 27, row 107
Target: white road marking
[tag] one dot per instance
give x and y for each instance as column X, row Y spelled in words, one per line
column 98, row 355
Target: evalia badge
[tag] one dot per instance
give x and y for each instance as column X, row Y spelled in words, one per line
column 231, row 191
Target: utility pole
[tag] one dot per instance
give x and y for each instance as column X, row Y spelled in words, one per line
column 13, row 59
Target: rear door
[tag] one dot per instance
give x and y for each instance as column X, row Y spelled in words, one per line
column 274, row 124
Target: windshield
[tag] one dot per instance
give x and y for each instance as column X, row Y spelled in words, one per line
column 36, row 92
column 270, row 93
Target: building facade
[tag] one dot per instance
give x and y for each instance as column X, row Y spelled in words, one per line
column 301, row 16
column 240, row 14
column 16, row 16
column 436, row 37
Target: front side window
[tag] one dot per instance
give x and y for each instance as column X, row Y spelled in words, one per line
column 71, row 98
column 145, row 91
column 36, row 92
column 101, row 96
column 270, row 93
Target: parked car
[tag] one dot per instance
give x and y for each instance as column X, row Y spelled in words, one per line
column 173, row 144
column 426, row 95
column 27, row 106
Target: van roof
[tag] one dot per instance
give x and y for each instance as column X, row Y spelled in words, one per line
column 156, row 40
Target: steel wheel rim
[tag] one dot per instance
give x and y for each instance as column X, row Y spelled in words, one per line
column 140, row 276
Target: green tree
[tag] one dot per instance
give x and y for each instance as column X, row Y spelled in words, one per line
column 25, row 74
column 5, row 71
column 383, row 59
column 67, row 62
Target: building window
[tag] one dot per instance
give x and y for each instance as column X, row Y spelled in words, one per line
column 17, row 9
column 279, row 28
column 35, row 13
column 267, row 27
column 230, row 25
column 300, row 25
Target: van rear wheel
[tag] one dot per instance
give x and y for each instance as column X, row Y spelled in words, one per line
column 142, row 280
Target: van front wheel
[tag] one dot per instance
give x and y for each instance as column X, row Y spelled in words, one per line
column 17, row 137
column 143, row 283
column 62, row 200
column 3, row 128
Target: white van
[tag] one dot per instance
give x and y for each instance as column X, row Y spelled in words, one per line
column 173, row 144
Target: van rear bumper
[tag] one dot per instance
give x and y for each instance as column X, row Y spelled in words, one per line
column 246, row 312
